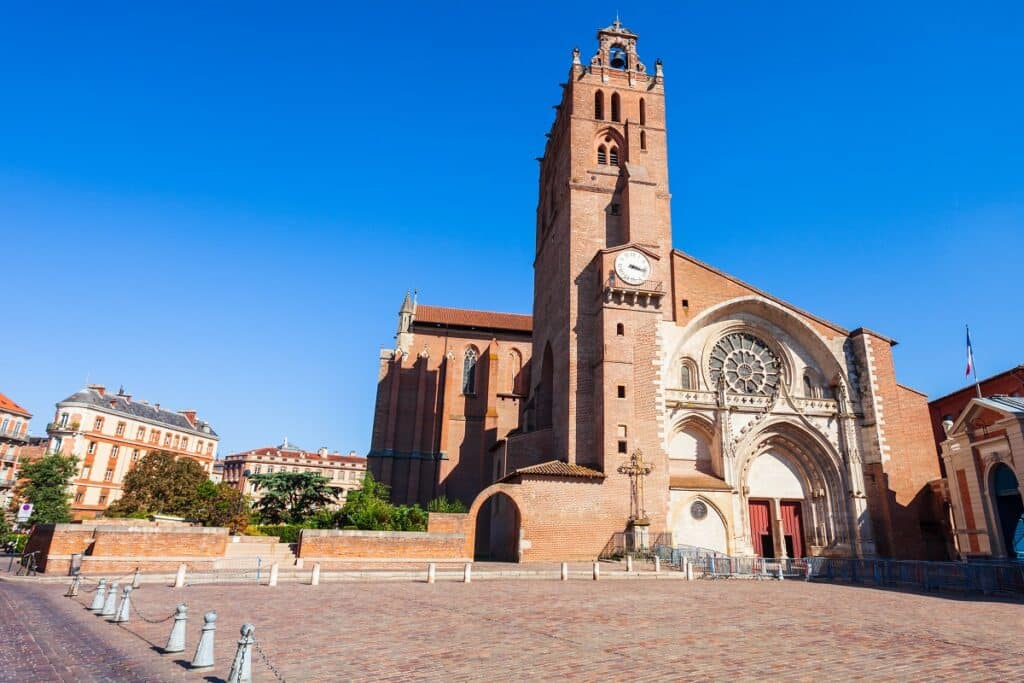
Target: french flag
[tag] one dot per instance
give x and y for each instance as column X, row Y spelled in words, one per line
column 970, row 355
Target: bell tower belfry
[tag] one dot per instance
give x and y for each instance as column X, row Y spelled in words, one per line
column 601, row 271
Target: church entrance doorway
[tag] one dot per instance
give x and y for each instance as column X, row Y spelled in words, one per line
column 792, row 527
column 497, row 530
column 761, row 527
column 1009, row 509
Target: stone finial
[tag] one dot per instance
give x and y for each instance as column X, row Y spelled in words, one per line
column 575, row 56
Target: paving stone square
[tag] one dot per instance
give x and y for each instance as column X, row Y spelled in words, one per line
column 643, row 630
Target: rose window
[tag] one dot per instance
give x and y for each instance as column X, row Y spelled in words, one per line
column 746, row 362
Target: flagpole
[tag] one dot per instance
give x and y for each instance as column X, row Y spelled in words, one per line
column 974, row 364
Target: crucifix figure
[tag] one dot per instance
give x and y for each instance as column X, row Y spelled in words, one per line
column 636, row 470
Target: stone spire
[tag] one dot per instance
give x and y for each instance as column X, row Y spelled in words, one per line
column 406, row 315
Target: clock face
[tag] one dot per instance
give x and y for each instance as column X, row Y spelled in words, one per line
column 633, row 267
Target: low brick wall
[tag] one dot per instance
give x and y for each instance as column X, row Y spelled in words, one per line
column 330, row 544
column 447, row 522
column 112, row 547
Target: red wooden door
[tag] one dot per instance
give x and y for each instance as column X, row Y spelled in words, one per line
column 760, row 527
column 793, row 528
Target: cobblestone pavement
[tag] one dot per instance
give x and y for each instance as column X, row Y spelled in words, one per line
column 527, row 630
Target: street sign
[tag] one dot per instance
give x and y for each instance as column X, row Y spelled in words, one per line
column 24, row 512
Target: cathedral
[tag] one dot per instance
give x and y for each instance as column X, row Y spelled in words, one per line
column 648, row 392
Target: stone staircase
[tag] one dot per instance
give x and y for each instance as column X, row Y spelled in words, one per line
column 243, row 551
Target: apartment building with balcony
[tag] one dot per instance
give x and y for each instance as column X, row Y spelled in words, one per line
column 344, row 472
column 13, row 437
column 110, row 432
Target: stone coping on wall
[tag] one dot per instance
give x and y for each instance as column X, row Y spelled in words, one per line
column 356, row 533
column 118, row 528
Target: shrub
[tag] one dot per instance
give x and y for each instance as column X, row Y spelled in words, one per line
column 286, row 533
column 442, row 504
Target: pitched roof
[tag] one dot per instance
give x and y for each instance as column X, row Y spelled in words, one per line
column 1007, row 405
column 123, row 403
column 460, row 317
column 292, row 452
column 557, row 468
column 698, row 481
column 12, row 407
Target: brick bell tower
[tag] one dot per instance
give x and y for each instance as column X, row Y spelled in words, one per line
column 602, row 267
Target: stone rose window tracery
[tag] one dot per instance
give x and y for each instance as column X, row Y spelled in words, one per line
column 746, row 363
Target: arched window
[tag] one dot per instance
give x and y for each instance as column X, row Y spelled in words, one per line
column 620, row 330
column 688, row 374
column 515, row 367
column 469, row 372
column 613, row 156
column 808, row 387
column 643, row 140
column 599, row 105
column 643, row 112
column 615, row 107
column 602, row 155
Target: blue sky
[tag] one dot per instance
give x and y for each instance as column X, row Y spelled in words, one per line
column 221, row 205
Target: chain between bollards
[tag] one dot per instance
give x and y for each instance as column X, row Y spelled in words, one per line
column 241, row 665
column 266, row 661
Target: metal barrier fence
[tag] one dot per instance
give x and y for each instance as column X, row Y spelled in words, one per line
column 232, row 571
column 988, row 577
column 635, row 545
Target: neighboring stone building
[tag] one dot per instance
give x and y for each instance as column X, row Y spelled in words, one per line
column 344, row 472
column 13, row 438
column 768, row 430
column 981, row 442
column 110, row 432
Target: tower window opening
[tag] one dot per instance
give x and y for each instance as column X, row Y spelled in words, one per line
column 615, row 107
column 469, row 372
column 613, row 156
column 643, row 112
column 602, row 155
column 643, row 140
column 617, row 57
column 622, row 447
column 599, row 105
column 622, row 391
column 620, row 330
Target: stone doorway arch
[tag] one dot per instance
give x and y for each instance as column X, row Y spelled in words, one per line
column 498, row 529
column 1009, row 509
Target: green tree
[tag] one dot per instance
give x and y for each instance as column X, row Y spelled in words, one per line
column 369, row 508
column 161, row 484
column 291, row 497
column 45, row 485
column 221, row 505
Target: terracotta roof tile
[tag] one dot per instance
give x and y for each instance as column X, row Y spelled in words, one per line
column 12, row 407
column 440, row 315
column 557, row 468
column 699, row 481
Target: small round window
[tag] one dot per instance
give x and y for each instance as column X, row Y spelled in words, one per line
column 699, row 510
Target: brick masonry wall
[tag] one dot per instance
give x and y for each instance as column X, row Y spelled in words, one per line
column 316, row 544
column 447, row 523
column 903, row 509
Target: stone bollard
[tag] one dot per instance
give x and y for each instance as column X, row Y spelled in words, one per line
column 657, row 564
column 808, row 571
column 110, row 604
column 73, row 588
column 176, row 641
column 629, row 563
column 689, row 570
column 314, row 579
column 431, row 572
column 179, row 578
column 597, row 571
column 779, row 576
column 241, row 665
column 273, row 575
column 97, row 598
column 204, row 649
column 125, row 609
column 299, row 563
column 565, row 571
column 467, row 573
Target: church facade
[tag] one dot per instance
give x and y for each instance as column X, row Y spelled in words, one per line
column 757, row 428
